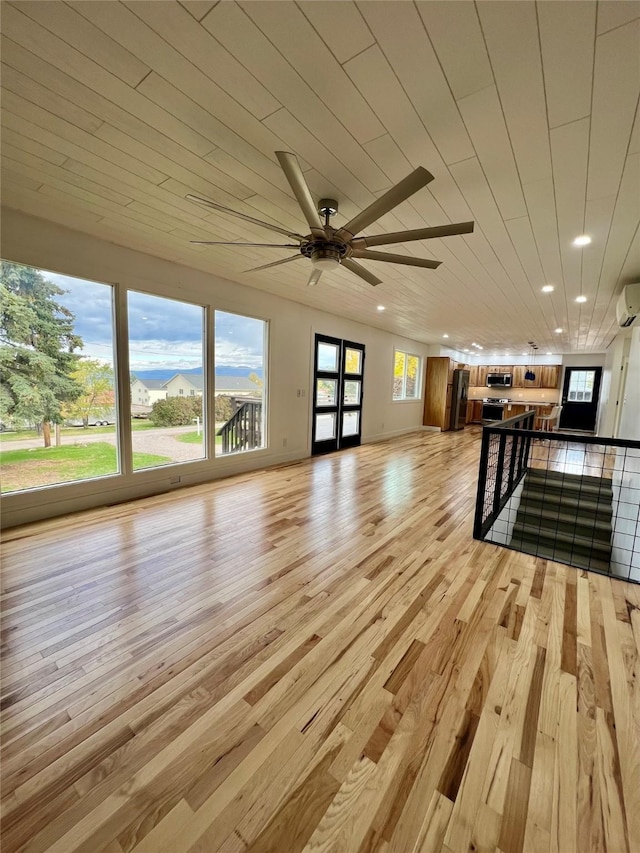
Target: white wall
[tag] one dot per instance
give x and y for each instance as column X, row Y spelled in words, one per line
column 291, row 333
column 612, row 384
column 630, row 415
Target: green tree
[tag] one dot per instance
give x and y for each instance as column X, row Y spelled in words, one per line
column 97, row 398
column 37, row 344
column 176, row 411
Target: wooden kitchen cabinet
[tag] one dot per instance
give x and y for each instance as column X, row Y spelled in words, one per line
column 513, row 409
column 478, row 377
column 499, row 368
column 519, row 381
column 477, row 411
column 550, row 375
column 437, row 395
column 469, row 418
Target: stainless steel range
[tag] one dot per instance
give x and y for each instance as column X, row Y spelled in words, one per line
column 493, row 409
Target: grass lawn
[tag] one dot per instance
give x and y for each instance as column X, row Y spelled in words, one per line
column 25, row 469
column 136, row 425
column 194, row 438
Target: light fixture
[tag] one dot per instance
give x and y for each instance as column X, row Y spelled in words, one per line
column 548, row 288
column 549, row 353
column 380, row 307
column 529, row 373
column 558, row 331
column 582, row 240
column 581, row 298
column 445, row 335
column 325, row 257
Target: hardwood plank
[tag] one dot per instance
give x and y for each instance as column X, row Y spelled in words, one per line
column 375, row 687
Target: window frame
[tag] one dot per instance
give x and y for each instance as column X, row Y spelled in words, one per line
column 407, row 355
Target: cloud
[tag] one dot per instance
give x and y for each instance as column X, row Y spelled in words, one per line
column 163, row 332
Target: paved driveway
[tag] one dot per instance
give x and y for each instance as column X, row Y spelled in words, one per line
column 161, row 441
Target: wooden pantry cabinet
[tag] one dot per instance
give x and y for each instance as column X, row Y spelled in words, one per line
column 437, row 394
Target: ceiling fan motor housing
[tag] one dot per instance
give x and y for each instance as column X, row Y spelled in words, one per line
column 324, row 255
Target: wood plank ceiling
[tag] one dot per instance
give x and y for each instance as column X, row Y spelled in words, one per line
column 525, row 113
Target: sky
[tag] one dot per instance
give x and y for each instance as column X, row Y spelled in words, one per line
column 163, row 333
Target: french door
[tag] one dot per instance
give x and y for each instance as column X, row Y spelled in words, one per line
column 337, row 394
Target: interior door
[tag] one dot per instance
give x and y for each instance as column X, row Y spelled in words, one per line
column 580, row 393
column 337, row 394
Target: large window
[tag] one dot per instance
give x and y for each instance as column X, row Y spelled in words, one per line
column 167, row 380
column 240, row 382
column 57, row 392
column 406, row 376
column 59, row 412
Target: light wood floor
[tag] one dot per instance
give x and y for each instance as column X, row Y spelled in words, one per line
column 315, row 658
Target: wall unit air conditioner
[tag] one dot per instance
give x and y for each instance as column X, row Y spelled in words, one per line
column 628, row 305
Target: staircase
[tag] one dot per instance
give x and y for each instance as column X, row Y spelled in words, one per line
column 565, row 517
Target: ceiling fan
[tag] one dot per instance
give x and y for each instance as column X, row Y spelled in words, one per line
column 328, row 247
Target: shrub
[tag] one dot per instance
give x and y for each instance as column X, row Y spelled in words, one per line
column 224, row 409
column 176, row 411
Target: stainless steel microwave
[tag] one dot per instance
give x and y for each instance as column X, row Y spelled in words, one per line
column 499, row 380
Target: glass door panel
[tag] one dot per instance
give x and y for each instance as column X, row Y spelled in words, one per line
column 351, row 395
column 353, row 360
column 325, row 427
column 326, row 392
column 350, row 423
column 328, row 357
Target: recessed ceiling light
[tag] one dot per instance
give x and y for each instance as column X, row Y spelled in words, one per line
column 547, row 288
column 465, row 350
column 549, row 353
column 445, row 336
column 524, row 353
column 558, row 331
column 581, row 298
column 582, row 240
column 380, row 307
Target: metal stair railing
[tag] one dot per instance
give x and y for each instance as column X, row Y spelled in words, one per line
column 574, row 499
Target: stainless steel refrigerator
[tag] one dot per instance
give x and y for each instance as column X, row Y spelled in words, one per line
column 459, row 394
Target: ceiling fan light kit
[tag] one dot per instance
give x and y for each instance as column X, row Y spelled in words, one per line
column 327, row 247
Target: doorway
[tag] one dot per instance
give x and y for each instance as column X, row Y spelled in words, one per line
column 580, row 393
column 337, row 394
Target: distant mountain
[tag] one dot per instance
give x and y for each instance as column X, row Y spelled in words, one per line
column 163, row 374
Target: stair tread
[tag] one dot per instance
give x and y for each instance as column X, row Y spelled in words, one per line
column 546, row 481
column 584, row 500
column 576, row 541
column 602, row 520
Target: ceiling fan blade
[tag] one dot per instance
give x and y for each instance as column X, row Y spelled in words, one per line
column 244, row 216
column 364, row 273
column 293, row 173
column 274, row 264
column 314, row 278
column 396, row 259
column 406, row 187
column 261, row 245
column 415, row 234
